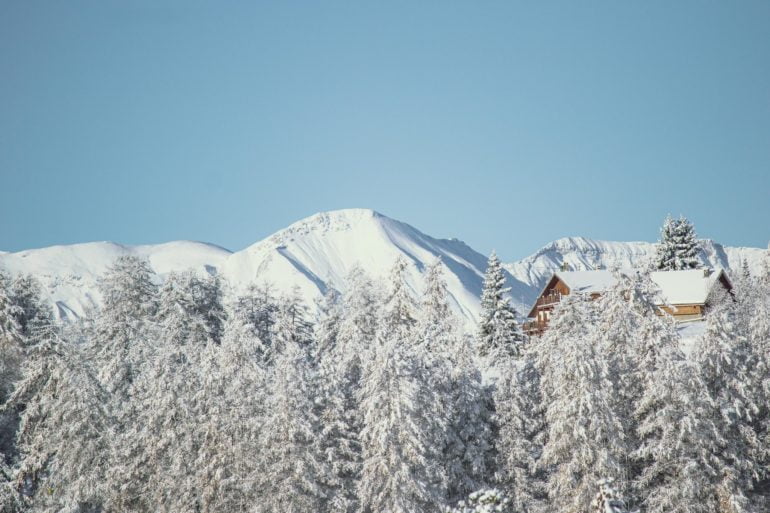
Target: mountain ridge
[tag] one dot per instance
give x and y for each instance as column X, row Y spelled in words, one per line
column 317, row 252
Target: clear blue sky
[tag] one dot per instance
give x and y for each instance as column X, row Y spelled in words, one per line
column 505, row 124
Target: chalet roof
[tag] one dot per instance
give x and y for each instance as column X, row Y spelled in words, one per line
column 587, row 282
column 690, row 287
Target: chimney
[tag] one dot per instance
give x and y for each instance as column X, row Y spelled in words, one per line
column 564, row 267
column 707, row 272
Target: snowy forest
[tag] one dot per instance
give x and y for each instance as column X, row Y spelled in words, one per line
column 181, row 395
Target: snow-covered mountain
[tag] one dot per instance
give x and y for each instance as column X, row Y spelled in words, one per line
column 318, row 252
column 69, row 274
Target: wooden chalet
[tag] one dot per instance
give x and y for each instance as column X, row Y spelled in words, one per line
column 683, row 294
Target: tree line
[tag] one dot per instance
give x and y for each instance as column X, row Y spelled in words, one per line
column 186, row 396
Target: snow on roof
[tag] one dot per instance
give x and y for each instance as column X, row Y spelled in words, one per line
column 587, row 282
column 689, row 287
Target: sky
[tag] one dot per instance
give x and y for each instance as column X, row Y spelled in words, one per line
column 504, row 124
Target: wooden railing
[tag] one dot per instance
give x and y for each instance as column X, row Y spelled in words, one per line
column 550, row 299
column 534, row 328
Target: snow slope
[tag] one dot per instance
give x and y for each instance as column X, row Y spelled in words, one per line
column 69, row 274
column 318, row 252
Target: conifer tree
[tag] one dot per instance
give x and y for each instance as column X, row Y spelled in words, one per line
column 470, row 439
column 628, row 322
column 11, row 337
column 65, row 430
column 25, row 321
column 456, row 380
column 296, row 477
column 158, row 447
column 33, row 315
column 676, row 433
column 726, row 360
column 226, row 466
column 328, row 327
column 678, row 247
column 119, row 338
column 346, row 338
column 521, row 433
column 499, row 334
column 755, row 310
column 585, row 436
column 339, row 409
column 259, row 306
column 402, row 438
column 292, row 325
column 11, row 357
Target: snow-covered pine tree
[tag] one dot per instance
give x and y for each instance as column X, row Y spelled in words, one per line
column 328, row 324
column 436, row 327
column 469, row 455
column 456, row 380
column 65, row 431
column 295, row 476
column 678, row 246
column 677, row 435
column 347, row 332
column 726, row 360
column 754, row 310
column 158, row 446
column 400, row 457
column 226, row 465
column 361, row 313
column 11, row 337
column 33, row 315
column 628, row 320
column 339, row 433
column 399, row 313
column 585, row 437
column 521, row 433
column 25, row 320
column 403, row 437
column 259, row 306
column 11, row 356
column 292, row 325
column 123, row 325
column 499, row 335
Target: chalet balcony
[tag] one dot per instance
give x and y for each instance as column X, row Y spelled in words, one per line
column 534, row 328
column 548, row 300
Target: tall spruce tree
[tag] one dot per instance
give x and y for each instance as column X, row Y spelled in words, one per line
column 65, row 430
column 159, row 445
column 226, row 467
column 296, row 477
column 119, row 338
column 678, row 246
column 499, row 334
column 677, row 433
column 521, row 433
column 403, row 435
column 725, row 361
column 460, row 395
column 346, row 338
column 339, row 410
column 585, row 437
